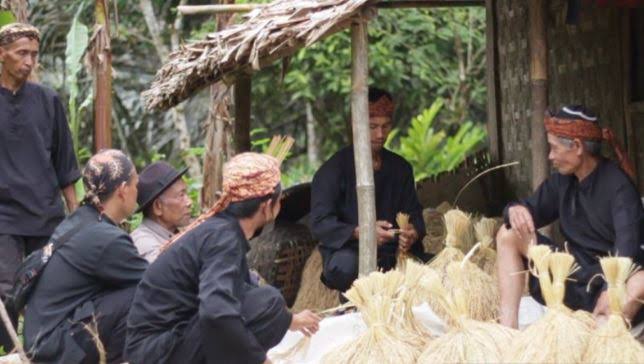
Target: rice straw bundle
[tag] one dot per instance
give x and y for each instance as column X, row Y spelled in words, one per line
column 402, row 220
column 612, row 342
column 459, row 236
column 313, row 294
column 383, row 342
column 560, row 336
column 467, row 341
column 413, row 294
column 485, row 230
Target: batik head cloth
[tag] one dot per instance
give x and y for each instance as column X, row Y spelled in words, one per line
column 575, row 122
column 104, row 173
column 14, row 31
column 384, row 106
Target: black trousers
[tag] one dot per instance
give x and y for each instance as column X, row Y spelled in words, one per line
column 13, row 249
column 340, row 267
column 265, row 315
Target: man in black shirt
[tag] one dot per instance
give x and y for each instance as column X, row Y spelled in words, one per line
column 334, row 204
column 599, row 212
column 93, row 275
column 36, row 156
column 197, row 302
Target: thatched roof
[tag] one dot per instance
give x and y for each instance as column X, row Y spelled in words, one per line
column 269, row 33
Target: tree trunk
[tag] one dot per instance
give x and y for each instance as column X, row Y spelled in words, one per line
column 101, row 61
column 312, row 147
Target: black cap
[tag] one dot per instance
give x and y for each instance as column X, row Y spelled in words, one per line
column 155, row 179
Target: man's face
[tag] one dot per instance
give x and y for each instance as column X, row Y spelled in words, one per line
column 271, row 209
column 380, row 127
column 130, row 192
column 19, row 59
column 566, row 159
column 174, row 206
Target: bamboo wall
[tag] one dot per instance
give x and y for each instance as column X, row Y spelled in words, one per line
column 585, row 66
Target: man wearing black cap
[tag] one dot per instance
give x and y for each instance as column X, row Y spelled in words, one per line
column 165, row 204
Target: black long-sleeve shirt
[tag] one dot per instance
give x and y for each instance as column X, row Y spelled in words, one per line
column 334, row 202
column 36, row 159
column 601, row 215
column 204, row 274
column 98, row 258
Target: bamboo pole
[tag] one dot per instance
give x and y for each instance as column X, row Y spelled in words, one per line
column 539, row 88
column 401, row 4
column 492, row 81
column 102, row 78
column 242, row 100
column 362, row 147
column 6, row 320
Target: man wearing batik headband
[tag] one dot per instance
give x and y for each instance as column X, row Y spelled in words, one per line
column 197, row 302
column 334, row 207
column 92, row 273
column 599, row 212
column 37, row 160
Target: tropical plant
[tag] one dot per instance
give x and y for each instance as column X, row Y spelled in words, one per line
column 431, row 151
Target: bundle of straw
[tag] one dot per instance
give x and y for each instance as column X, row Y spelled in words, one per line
column 375, row 297
column 467, row 341
column 313, row 294
column 612, row 342
column 560, row 336
column 459, row 236
column 485, row 230
column 280, row 146
column 413, row 294
column 402, row 220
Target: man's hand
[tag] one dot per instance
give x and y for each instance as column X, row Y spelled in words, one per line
column 306, row 322
column 407, row 238
column 384, row 233
column 602, row 309
column 521, row 221
column 69, row 193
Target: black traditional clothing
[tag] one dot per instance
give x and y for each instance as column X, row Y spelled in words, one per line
column 601, row 215
column 196, row 302
column 92, row 275
column 334, row 212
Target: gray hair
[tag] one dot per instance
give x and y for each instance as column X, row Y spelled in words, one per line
column 593, row 147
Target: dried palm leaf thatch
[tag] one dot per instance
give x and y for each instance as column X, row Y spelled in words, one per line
column 313, row 294
column 460, row 235
column 376, row 297
column 270, row 33
column 485, row 230
column 612, row 342
column 560, row 336
column 467, row 341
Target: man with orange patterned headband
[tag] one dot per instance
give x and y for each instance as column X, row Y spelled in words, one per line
column 599, row 211
column 197, row 302
column 334, row 207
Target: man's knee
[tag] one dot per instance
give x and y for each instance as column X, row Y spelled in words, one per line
column 508, row 241
column 341, row 270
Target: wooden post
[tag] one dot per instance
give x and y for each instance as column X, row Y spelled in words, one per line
column 630, row 139
column 362, row 146
column 242, row 101
column 492, row 82
column 539, row 88
column 102, row 63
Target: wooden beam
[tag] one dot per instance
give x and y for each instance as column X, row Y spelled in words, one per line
column 102, row 63
column 242, row 101
column 400, row 4
column 362, row 147
column 491, row 59
column 539, row 88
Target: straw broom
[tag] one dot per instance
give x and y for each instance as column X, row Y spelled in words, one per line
column 612, row 342
column 459, row 235
column 467, row 341
column 485, row 231
column 313, row 294
column 383, row 342
column 560, row 336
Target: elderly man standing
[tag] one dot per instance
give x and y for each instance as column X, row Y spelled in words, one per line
column 37, row 159
column 599, row 212
column 166, row 207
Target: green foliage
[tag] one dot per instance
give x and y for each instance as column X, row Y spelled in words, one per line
column 6, row 17
column 430, row 151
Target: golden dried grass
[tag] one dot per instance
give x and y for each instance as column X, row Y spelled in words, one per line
column 313, row 294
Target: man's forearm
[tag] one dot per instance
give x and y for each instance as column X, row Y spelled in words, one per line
column 69, row 193
column 635, row 294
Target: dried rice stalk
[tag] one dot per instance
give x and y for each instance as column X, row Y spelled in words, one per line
column 313, row 294
column 402, row 220
column 485, row 230
column 560, row 336
column 459, row 236
column 279, row 147
column 612, row 342
column 413, row 294
column 383, row 342
column 467, row 341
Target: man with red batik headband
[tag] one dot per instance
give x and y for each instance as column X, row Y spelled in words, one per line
column 197, row 302
column 334, row 207
column 599, row 212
